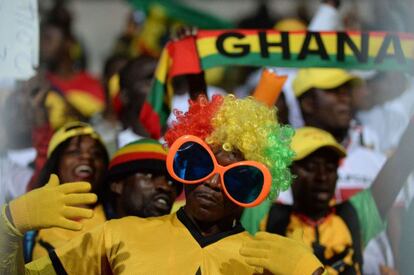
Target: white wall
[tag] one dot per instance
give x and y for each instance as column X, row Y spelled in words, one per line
column 98, row 23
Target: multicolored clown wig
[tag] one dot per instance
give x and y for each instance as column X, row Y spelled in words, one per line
column 243, row 124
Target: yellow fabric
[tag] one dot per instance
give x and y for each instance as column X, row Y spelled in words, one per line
column 177, row 205
column 263, row 223
column 57, row 237
column 309, row 139
column 145, row 147
column 290, row 24
column 279, row 255
column 113, row 86
column 333, row 234
column 87, row 104
column 11, row 261
column 160, row 245
column 65, row 132
column 52, row 205
column 214, row 76
column 42, row 266
column 58, row 111
column 320, row 78
column 11, row 252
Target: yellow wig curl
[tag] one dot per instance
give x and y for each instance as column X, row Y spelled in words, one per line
column 252, row 128
column 243, row 124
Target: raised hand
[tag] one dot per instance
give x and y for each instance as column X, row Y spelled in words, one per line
column 53, row 205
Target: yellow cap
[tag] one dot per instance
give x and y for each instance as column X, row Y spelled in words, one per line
column 320, row 78
column 309, row 139
column 69, row 130
column 290, row 24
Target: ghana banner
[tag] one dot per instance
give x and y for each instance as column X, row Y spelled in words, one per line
column 211, row 48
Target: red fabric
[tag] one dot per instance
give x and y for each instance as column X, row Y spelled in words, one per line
column 185, row 58
column 135, row 156
column 150, row 120
column 81, row 81
column 346, row 194
column 147, row 117
column 40, row 140
column 117, row 105
column 313, row 223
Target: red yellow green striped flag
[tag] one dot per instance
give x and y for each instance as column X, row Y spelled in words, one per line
column 211, row 48
column 165, row 16
column 175, row 10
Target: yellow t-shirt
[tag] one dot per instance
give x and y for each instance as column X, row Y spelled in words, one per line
column 334, row 236
column 154, row 246
column 169, row 244
column 161, row 245
column 57, row 237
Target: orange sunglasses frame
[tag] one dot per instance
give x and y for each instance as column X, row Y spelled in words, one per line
column 219, row 169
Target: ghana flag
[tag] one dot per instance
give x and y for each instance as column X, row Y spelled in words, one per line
column 211, row 48
column 174, row 10
column 165, row 16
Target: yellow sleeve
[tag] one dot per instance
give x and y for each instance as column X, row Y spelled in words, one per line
column 41, row 266
column 85, row 254
column 11, row 249
column 263, row 223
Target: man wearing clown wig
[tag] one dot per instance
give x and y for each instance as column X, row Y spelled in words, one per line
column 230, row 154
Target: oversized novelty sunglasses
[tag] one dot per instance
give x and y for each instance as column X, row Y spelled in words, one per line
column 190, row 161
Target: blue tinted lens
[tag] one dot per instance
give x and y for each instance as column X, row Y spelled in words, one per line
column 244, row 183
column 192, row 162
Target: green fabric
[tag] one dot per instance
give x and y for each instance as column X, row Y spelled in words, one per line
column 252, row 217
column 157, row 99
column 185, row 14
column 369, row 218
column 255, row 59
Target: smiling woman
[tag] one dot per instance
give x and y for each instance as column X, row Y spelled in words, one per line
column 75, row 153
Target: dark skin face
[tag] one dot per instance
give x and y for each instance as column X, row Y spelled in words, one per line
column 314, row 187
column 138, row 90
column 330, row 110
column 135, row 88
column 52, row 45
column 207, row 205
column 144, row 195
column 83, row 160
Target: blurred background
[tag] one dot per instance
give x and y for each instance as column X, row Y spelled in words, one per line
column 98, row 22
column 97, row 61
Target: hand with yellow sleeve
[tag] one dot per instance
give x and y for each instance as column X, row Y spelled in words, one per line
column 280, row 255
column 53, row 205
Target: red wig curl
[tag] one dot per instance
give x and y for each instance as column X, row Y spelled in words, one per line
column 197, row 121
